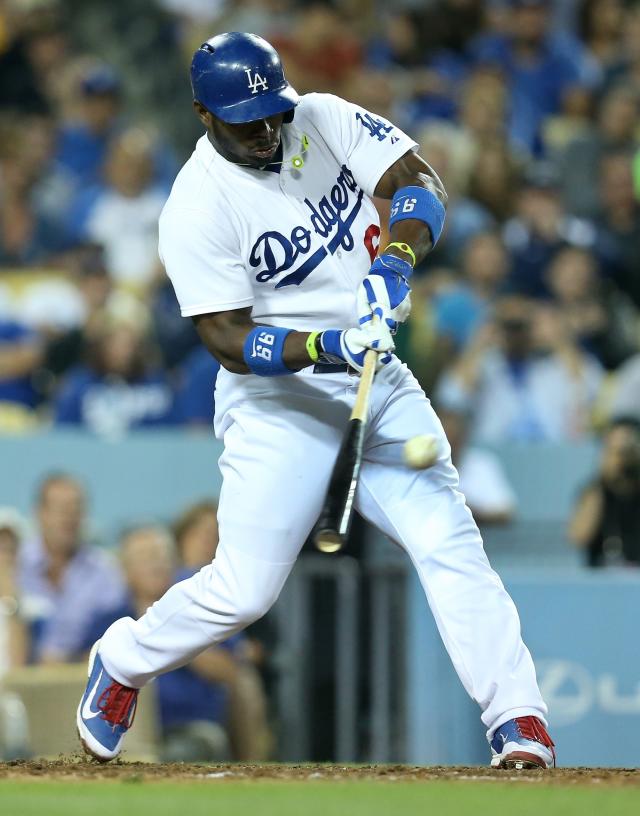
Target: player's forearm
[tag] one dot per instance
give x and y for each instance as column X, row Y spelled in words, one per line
column 414, row 234
column 225, row 336
column 411, row 171
column 244, row 347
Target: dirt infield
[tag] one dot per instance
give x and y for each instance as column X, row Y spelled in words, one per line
column 80, row 769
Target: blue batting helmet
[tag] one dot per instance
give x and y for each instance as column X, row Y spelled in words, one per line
column 239, row 78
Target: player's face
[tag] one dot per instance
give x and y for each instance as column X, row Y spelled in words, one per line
column 252, row 143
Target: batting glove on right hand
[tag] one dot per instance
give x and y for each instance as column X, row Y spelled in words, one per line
column 351, row 345
column 385, row 292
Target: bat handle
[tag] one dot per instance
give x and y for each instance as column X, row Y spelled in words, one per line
column 361, row 404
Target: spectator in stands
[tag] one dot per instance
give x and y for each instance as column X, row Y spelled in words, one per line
column 619, row 223
column 21, row 353
column 400, row 48
column 448, row 26
column 606, row 521
column 203, row 704
column 28, row 235
column 374, row 90
column 601, row 318
column 263, row 16
column 417, row 342
column 320, row 51
column 541, row 70
column 513, row 394
column 484, row 99
column 579, row 162
column 626, row 68
column 195, row 393
column 463, row 308
column 196, row 535
column 14, row 635
column 31, row 59
column 95, row 119
column 14, row 638
column 61, row 578
column 625, row 397
column 600, row 26
column 539, row 229
column 83, row 142
column 123, row 214
column 175, row 336
column 483, row 481
column 119, row 388
column 69, row 348
column 201, row 11
column 453, row 155
column 494, row 179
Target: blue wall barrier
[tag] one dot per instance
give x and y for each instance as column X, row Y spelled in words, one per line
column 546, row 477
column 582, row 630
column 147, row 476
column 153, row 472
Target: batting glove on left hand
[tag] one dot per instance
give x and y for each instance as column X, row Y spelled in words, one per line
column 386, row 292
column 351, row 345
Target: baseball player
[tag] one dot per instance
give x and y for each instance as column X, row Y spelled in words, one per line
column 270, row 238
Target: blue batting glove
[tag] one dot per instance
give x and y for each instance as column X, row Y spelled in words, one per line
column 386, row 292
column 351, row 345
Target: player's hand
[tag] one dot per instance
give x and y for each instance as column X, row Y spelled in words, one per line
column 386, row 292
column 351, row 345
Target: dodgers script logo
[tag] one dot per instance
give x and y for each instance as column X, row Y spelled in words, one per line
column 334, row 213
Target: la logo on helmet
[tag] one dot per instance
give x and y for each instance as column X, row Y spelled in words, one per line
column 256, row 81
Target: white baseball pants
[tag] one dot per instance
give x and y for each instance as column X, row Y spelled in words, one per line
column 281, row 439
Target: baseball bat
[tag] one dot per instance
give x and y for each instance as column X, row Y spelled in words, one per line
column 332, row 527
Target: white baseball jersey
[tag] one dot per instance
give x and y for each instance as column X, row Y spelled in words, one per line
column 293, row 245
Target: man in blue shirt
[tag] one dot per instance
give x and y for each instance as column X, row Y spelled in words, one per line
column 541, row 69
column 118, row 389
column 62, row 579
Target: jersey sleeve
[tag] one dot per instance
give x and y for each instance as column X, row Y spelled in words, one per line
column 369, row 142
column 202, row 260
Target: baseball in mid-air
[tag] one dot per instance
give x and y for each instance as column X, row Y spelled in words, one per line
column 421, row 451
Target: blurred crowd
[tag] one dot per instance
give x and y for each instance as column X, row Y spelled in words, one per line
column 526, row 318
column 59, row 592
column 525, row 323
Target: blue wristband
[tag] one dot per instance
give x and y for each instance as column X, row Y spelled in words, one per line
column 421, row 204
column 262, row 351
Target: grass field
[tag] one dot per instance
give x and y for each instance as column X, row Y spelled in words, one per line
column 84, row 790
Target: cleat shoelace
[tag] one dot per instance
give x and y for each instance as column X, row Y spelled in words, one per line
column 532, row 729
column 118, row 705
